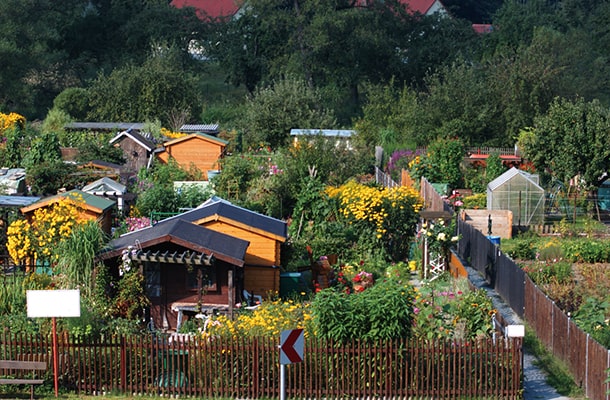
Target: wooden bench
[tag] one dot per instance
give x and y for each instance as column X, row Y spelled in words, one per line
column 25, row 373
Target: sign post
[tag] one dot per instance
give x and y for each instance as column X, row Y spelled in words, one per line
column 291, row 351
column 53, row 303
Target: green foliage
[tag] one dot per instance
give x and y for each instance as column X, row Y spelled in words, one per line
column 475, row 201
column 549, row 272
column 449, row 309
column 571, row 140
column 73, row 103
column 522, row 248
column 139, row 93
column 238, row 173
column 365, row 315
column 593, row 316
column 495, row 167
column 55, row 121
column 442, row 163
column 586, row 250
column 272, row 111
column 155, row 188
column 77, row 256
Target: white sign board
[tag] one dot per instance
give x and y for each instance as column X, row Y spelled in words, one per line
column 515, row 331
column 53, row 303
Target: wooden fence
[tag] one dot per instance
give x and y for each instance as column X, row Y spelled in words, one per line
column 587, row 360
column 249, row 368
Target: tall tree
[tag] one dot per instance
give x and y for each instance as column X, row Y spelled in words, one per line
column 139, row 93
column 570, row 140
column 272, row 111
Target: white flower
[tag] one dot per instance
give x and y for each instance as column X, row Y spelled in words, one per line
column 455, row 239
column 441, row 236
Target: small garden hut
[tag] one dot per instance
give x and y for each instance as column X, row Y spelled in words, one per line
column 519, row 192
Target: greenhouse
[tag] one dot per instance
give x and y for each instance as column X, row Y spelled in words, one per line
column 519, row 192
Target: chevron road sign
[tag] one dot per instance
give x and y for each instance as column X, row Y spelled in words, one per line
column 291, row 346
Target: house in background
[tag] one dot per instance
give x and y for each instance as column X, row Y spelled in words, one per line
column 210, row 8
column 229, row 8
column 138, row 149
column 425, row 7
column 188, row 269
column 94, row 207
column 197, row 149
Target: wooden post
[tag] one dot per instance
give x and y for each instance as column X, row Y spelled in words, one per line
column 55, row 360
column 231, row 291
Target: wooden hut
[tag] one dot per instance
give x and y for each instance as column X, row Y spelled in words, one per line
column 188, row 269
column 198, row 149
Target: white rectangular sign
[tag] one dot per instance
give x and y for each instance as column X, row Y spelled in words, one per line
column 515, row 330
column 53, row 303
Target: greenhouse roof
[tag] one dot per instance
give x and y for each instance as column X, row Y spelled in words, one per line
column 510, row 174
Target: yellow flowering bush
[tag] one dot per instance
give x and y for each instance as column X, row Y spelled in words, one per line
column 172, row 135
column 389, row 214
column 48, row 226
column 268, row 320
column 8, row 121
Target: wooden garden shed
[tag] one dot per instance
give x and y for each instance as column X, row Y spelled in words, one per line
column 138, row 149
column 188, row 269
column 197, row 149
column 94, row 207
column 261, row 273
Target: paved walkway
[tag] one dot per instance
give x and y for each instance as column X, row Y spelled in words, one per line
column 534, row 379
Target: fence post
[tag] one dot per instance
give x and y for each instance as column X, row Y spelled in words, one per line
column 123, row 365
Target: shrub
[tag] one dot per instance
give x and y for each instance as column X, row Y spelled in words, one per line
column 383, row 311
column 476, row 201
column 455, row 313
column 586, row 250
column 546, row 272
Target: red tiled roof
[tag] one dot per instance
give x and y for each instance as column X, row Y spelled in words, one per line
column 419, row 6
column 227, row 8
column 482, row 28
column 210, row 8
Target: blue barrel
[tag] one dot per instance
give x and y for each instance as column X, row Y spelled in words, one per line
column 494, row 239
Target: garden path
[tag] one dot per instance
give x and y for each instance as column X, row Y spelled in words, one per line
column 535, row 386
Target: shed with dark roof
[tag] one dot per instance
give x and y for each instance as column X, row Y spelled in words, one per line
column 138, row 149
column 188, row 268
column 264, row 234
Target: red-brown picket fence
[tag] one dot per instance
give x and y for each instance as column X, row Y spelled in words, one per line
column 249, row 368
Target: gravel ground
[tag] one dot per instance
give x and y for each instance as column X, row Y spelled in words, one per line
column 534, row 379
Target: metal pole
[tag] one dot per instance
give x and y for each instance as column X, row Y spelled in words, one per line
column 282, row 381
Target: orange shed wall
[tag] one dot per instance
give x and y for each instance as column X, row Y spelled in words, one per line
column 203, row 154
column 262, row 280
column 263, row 250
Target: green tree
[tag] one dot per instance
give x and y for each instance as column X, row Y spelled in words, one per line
column 272, row 111
column 442, row 163
column 155, row 188
column 138, row 93
column 74, row 102
column 35, row 66
column 570, row 140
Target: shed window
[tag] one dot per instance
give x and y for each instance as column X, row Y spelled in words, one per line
column 208, row 278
